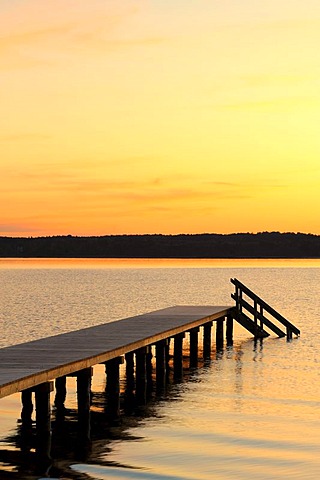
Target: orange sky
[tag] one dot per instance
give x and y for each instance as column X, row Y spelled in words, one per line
column 159, row 117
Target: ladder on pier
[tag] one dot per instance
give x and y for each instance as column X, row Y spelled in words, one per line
column 256, row 315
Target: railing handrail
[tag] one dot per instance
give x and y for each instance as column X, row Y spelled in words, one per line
column 265, row 305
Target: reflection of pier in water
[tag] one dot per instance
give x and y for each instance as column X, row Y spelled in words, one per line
column 150, row 352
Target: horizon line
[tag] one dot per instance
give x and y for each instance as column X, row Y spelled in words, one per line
column 264, row 232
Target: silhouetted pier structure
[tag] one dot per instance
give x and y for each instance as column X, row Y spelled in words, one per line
column 32, row 367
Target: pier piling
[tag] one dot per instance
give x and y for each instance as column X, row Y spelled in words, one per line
column 84, row 400
column 43, row 424
column 194, row 347
column 207, row 340
column 161, row 365
column 130, row 383
column 113, row 388
column 141, row 376
column 178, row 357
column 219, row 334
column 229, row 331
column 27, row 408
column 61, row 392
column 149, row 369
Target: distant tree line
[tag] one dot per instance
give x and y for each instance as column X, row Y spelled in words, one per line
column 237, row 245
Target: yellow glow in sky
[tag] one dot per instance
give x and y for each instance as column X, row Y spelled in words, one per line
column 159, row 117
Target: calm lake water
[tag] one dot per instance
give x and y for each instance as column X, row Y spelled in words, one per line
column 252, row 413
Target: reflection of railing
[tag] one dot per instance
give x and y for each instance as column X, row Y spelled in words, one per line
column 257, row 310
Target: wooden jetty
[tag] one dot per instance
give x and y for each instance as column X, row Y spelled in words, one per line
column 29, row 364
column 32, row 367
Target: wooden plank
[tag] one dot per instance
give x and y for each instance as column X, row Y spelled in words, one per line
column 26, row 365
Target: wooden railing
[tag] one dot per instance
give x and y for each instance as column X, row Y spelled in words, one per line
column 257, row 310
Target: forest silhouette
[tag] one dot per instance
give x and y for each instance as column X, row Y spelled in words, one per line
column 237, row 245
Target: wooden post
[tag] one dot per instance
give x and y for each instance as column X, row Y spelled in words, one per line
column 43, row 425
column 255, row 316
column 141, row 376
column 26, row 442
column 59, row 401
column 149, row 370
column 168, row 340
column 113, row 388
column 61, row 392
column 289, row 334
column 238, row 306
column 219, row 334
column 194, row 347
column 27, row 408
column 229, row 332
column 178, row 357
column 130, row 383
column 161, row 365
column 207, row 340
column 84, row 400
column 261, row 321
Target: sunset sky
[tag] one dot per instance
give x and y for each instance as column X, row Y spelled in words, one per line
column 180, row 116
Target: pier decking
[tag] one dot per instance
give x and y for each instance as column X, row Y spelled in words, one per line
column 29, row 364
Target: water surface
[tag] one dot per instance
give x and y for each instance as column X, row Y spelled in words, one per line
column 253, row 412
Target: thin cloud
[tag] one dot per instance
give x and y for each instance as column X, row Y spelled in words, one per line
column 18, row 137
column 276, row 104
column 221, row 184
column 70, row 36
column 266, row 184
column 267, row 79
column 56, row 180
column 49, row 35
column 149, row 195
column 17, row 228
column 33, row 36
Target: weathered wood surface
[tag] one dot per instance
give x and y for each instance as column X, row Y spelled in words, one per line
column 28, row 364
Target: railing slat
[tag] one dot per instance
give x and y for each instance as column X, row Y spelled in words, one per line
column 240, row 286
column 264, row 320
